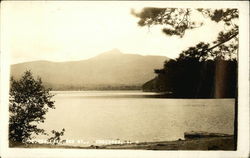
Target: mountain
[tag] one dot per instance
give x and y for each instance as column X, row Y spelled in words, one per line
column 109, row 69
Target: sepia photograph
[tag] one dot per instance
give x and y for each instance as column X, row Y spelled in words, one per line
column 124, row 76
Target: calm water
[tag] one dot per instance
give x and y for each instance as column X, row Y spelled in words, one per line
column 88, row 116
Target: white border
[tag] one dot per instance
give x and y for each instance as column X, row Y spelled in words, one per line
column 243, row 105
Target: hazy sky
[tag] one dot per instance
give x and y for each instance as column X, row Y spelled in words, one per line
column 62, row 31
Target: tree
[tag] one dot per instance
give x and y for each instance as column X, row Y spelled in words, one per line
column 29, row 101
column 56, row 139
column 176, row 21
column 194, row 75
column 184, row 76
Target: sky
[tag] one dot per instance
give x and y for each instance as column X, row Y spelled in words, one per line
column 66, row 31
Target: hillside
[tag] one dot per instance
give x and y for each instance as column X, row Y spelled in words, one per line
column 109, row 70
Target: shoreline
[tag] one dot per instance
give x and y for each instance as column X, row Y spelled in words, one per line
column 192, row 141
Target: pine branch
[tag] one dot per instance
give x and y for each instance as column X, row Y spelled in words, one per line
column 209, row 49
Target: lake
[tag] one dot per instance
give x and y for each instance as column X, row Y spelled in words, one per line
column 91, row 116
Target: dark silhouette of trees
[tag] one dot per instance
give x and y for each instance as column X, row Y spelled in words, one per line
column 29, row 101
column 190, row 77
column 201, row 71
column 204, row 70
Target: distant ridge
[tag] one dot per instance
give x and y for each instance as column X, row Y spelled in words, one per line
column 109, row 70
column 114, row 51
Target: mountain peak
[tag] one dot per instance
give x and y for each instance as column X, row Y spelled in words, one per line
column 114, row 69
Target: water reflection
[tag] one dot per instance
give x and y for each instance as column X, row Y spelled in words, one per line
column 110, row 94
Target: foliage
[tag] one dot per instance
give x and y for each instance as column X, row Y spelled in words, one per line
column 199, row 52
column 193, row 76
column 177, row 21
column 202, row 70
column 56, row 139
column 29, row 101
column 217, row 15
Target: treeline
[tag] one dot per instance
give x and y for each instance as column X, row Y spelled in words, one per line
column 66, row 87
column 190, row 77
column 202, row 71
